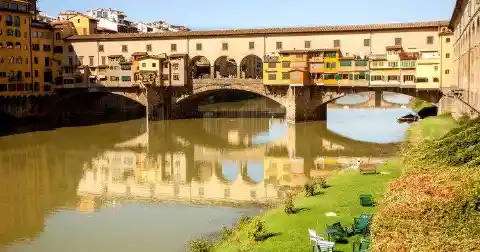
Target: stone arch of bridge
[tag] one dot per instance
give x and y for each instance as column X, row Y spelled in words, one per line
column 202, row 91
column 225, row 67
column 200, row 67
column 430, row 96
column 251, row 67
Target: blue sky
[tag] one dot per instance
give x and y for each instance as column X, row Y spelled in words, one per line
column 211, row 14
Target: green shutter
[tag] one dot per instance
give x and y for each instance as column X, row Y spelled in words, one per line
column 356, row 76
column 350, row 76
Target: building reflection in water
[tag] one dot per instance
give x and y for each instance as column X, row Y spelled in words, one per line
column 211, row 161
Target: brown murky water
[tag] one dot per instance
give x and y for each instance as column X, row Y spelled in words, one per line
column 132, row 187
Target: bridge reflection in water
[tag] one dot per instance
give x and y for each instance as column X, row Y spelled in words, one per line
column 207, row 161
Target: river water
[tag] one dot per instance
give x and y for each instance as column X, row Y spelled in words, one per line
column 137, row 186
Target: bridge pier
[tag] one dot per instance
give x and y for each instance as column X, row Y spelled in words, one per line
column 378, row 99
column 303, row 104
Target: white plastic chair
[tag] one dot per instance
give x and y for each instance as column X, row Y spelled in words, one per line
column 314, row 239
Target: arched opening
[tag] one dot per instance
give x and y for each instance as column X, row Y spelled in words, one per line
column 200, row 67
column 251, row 67
column 225, row 67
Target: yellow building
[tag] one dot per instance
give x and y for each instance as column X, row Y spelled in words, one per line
column 331, row 59
column 271, row 73
column 46, row 69
column 15, row 63
column 428, row 70
column 63, row 52
column 84, row 24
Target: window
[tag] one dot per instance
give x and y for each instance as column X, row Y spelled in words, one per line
column 435, row 79
column 46, row 48
column 336, row 43
column 345, row 63
column 279, row 46
column 307, row 44
column 124, row 48
column 47, row 61
column 377, row 78
column 58, row 36
column 272, row 76
column 361, row 63
column 447, row 71
column 398, row 41
column 173, row 47
column 285, row 64
column 9, row 20
column 286, row 76
column 16, row 21
column 393, row 78
column 435, row 68
column 70, row 61
column 35, row 73
column 175, row 66
column 251, row 45
column 330, row 65
column 272, row 64
column 176, row 77
column 430, row 40
column 198, row 46
column 422, row 80
column 90, row 60
column 447, row 40
column 224, row 46
column 447, row 55
column 366, row 42
column 154, row 64
column 165, row 65
column 393, row 64
column 35, row 60
column 104, row 60
column 144, row 64
column 149, row 48
column 100, row 48
column 126, row 78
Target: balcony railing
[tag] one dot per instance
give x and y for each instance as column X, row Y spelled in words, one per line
column 227, row 81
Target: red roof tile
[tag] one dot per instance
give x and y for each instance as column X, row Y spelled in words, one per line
column 265, row 31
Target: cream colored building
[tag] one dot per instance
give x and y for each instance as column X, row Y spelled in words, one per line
column 239, row 45
column 465, row 23
column 428, row 70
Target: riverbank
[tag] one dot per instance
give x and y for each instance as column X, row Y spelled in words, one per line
column 289, row 232
column 435, row 205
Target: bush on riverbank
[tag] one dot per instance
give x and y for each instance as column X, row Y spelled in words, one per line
column 433, row 206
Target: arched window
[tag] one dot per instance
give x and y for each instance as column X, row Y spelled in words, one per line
column 19, row 60
column 9, row 20
column 16, row 21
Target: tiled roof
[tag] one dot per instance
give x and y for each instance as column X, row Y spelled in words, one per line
column 266, row 31
column 139, row 53
column 177, row 55
column 394, row 47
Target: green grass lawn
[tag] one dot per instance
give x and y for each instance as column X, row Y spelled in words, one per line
column 341, row 197
column 431, row 128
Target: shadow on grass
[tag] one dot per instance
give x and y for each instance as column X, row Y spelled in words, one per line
column 268, row 235
column 301, row 209
column 318, row 193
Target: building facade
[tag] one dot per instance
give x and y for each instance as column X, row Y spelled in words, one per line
column 465, row 23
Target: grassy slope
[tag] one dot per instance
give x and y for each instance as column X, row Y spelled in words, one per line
column 431, row 128
column 341, row 197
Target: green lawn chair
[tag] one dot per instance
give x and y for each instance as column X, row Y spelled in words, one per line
column 361, row 246
column 336, row 232
column 361, row 225
column 366, row 200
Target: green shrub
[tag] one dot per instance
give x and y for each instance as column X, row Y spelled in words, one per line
column 200, row 245
column 226, row 232
column 322, row 182
column 243, row 221
column 256, row 230
column 309, row 189
column 289, row 207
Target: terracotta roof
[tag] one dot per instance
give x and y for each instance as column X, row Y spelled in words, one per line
column 139, row 54
column 394, row 47
column 159, row 57
column 177, row 55
column 457, row 11
column 265, row 31
column 408, row 55
column 115, row 56
column 445, row 33
column 83, row 15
